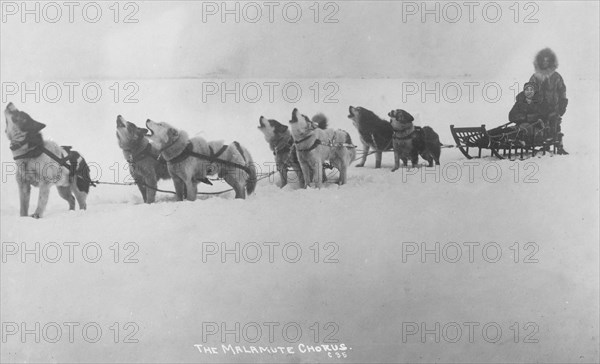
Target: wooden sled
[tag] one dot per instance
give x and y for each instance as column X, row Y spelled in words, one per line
column 505, row 141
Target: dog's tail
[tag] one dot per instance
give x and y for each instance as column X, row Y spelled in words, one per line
column 321, row 120
column 352, row 149
column 251, row 166
column 252, row 179
column 82, row 172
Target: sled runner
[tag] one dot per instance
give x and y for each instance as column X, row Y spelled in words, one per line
column 506, row 140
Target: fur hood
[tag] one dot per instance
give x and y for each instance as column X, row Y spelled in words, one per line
column 539, row 59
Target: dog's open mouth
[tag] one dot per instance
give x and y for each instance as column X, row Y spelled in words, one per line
column 120, row 123
column 294, row 118
column 350, row 113
column 150, row 131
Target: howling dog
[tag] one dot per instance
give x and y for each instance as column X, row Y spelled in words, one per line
column 315, row 144
column 374, row 132
column 42, row 163
column 191, row 160
column 410, row 141
column 282, row 145
column 144, row 165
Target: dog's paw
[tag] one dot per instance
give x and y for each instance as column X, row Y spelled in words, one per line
column 394, row 169
column 360, row 165
column 36, row 215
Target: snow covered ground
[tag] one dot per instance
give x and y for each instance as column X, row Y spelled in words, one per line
column 346, row 261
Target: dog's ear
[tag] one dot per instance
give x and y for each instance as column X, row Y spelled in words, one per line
column 280, row 128
column 406, row 117
column 32, row 126
column 131, row 127
column 172, row 133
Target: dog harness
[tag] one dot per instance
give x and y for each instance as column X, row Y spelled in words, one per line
column 33, row 140
column 283, row 147
column 318, row 142
column 72, row 162
column 313, row 146
column 32, row 153
column 375, row 143
column 213, row 157
column 406, row 133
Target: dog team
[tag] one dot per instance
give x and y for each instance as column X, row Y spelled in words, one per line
column 161, row 151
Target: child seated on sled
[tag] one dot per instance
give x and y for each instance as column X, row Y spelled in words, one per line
column 530, row 117
column 530, row 113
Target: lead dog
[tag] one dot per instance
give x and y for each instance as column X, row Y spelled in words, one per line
column 145, row 166
column 187, row 170
column 315, row 144
column 35, row 167
column 374, row 132
column 410, row 141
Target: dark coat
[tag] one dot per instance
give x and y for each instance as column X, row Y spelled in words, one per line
column 523, row 112
column 550, row 83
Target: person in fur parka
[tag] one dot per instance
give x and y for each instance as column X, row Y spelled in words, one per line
column 552, row 89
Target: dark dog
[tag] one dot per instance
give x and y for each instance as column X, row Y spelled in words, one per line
column 374, row 132
column 411, row 141
column 282, row 144
column 144, row 165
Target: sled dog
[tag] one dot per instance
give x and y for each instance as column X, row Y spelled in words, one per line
column 145, row 166
column 191, row 160
column 282, row 145
column 411, row 141
column 36, row 166
column 375, row 133
column 315, row 144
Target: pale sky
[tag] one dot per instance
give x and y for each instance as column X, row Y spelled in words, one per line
column 374, row 39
